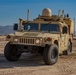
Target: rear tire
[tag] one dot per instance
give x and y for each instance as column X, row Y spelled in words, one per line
column 11, row 53
column 50, row 54
column 69, row 50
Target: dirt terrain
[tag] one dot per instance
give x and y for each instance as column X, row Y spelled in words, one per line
column 34, row 65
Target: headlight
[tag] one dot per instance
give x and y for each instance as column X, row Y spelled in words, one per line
column 15, row 40
column 37, row 41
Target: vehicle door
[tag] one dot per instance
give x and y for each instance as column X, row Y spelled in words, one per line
column 64, row 37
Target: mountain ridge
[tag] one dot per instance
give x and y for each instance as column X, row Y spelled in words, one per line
column 4, row 30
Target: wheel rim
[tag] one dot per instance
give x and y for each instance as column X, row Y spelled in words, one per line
column 14, row 51
column 69, row 47
column 54, row 54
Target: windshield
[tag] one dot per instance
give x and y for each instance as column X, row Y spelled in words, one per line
column 43, row 27
column 31, row 26
column 50, row 27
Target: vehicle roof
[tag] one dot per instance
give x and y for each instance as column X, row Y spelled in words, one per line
column 45, row 22
column 54, row 19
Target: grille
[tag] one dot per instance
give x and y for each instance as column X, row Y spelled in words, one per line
column 27, row 40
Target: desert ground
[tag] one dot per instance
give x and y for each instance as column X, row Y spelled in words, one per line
column 33, row 64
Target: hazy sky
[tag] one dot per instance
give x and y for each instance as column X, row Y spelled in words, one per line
column 12, row 10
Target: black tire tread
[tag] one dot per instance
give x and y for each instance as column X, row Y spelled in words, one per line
column 8, row 55
column 46, row 55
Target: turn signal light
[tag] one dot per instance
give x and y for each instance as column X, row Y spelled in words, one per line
column 48, row 39
column 8, row 36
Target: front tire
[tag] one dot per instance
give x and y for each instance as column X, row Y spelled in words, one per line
column 11, row 53
column 50, row 54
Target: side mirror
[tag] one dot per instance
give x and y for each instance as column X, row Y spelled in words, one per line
column 15, row 27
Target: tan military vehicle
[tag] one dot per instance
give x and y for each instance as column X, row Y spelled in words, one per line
column 49, row 35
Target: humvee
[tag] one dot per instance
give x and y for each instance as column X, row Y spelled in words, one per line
column 50, row 35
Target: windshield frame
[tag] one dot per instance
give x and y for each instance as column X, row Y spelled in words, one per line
column 30, row 29
column 39, row 27
column 49, row 25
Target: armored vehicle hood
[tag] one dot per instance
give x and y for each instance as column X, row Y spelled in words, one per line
column 33, row 34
